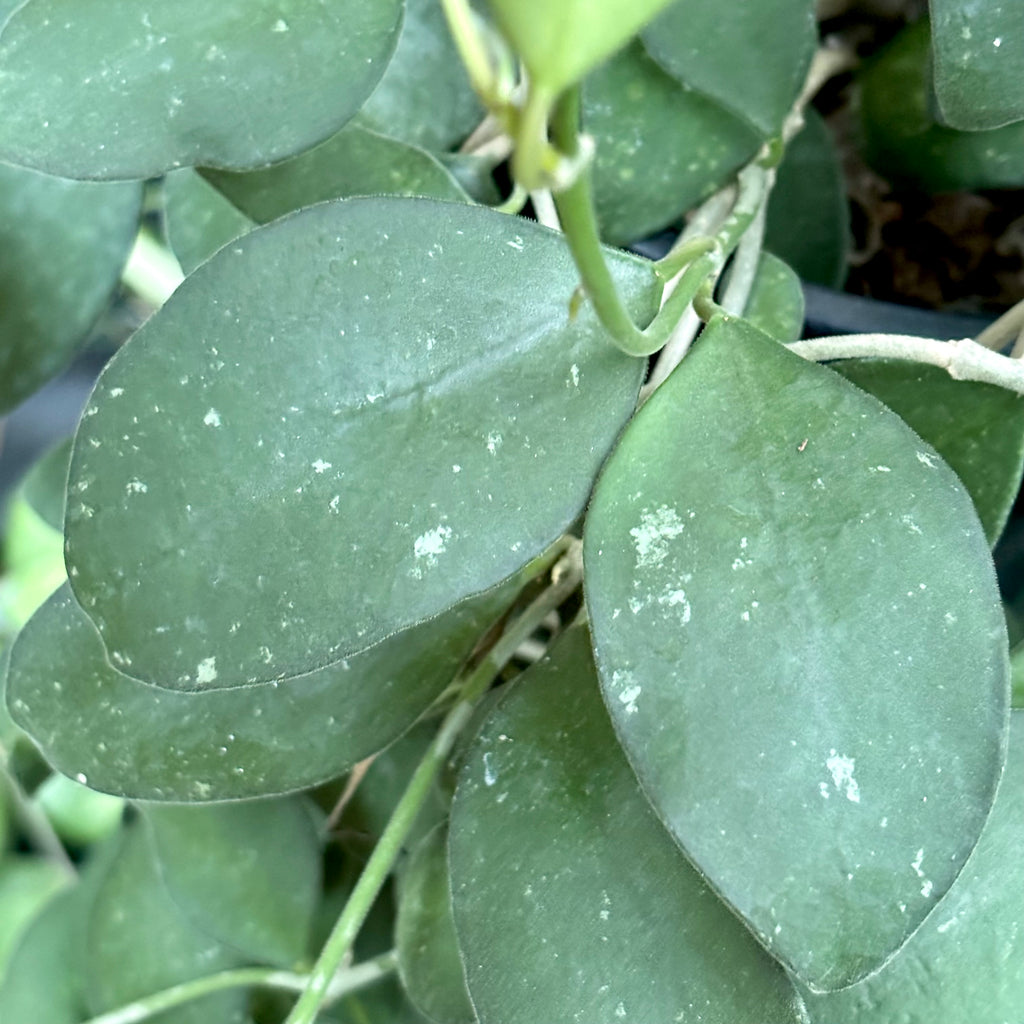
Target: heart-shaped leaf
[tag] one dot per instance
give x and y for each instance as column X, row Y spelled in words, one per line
column 62, row 247
column 571, row 901
column 428, row 951
column 966, row 962
column 124, row 737
column 979, row 62
column 661, row 148
column 257, row 882
column 802, row 647
column 129, row 89
column 382, row 406
column 776, row 300
column 977, row 428
column 750, row 57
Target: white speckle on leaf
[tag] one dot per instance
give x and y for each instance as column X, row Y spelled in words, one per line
column 628, row 698
column 926, row 884
column 212, row 418
column 136, row 487
column 926, row 460
column 333, row 503
column 945, row 926
column 823, row 790
column 206, row 671
column 280, row 25
column 429, row 545
column 516, row 243
column 320, row 466
column 841, row 770
column 677, row 599
column 574, row 375
column 82, row 778
column 651, row 537
column 997, row 42
column 881, row 469
column 494, row 441
column 116, row 392
column 490, row 774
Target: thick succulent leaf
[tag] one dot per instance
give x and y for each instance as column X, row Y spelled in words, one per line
column 424, row 97
column 128, row 89
column 966, row 963
column 776, row 301
column 62, row 247
column 33, row 988
column 46, row 483
column 559, row 41
column 247, row 873
column 1017, row 679
column 750, row 57
column 138, row 942
column 808, row 221
column 198, row 218
column 979, row 62
column 800, row 641
column 902, row 139
column 382, row 407
column 355, row 162
column 661, row 148
column 428, row 951
column 27, row 884
column 123, row 737
column 571, row 902
column 977, row 428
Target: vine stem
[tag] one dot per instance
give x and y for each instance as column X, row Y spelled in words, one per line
column 963, row 360
column 31, row 818
column 565, row 578
column 1007, row 328
column 151, row 271
column 341, row 985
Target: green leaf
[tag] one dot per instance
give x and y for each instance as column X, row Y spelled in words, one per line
column 385, row 408
column 355, row 162
column 138, row 942
column 126, row 89
column 79, row 815
column 979, row 62
column 425, row 97
column 776, row 302
column 199, row 219
column 123, row 737
column 559, row 41
column 46, row 482
column 383, row 1003
column 967, row 960
column 27, row 884
column 977, row 428
column 34, row 555
column 62, row 247
column 903, row 141
column 750, row 57
column 256, row 879
column 808, row 222
column 661, row 148
column 570, row 900
column 428, row 951
column 800, row 640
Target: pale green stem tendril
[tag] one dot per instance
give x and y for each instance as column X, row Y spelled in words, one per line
column 962, row 360
column 33, row 822
column 743, row 270
column 151, row 272
column 340, row 985
column 473, row 51
column 1006, row 329
column 566, row 577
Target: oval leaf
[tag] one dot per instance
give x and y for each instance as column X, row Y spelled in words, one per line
column 571, row 902
column 257, row 881
column 776, row 300
column 967, row 960
column 750, row 57
column 198, row 218
column 977, row 428
column 62, row 247
column 428, row 951
column 385, row 408
column 129, row 89
column 801, row 643
column 121, row 736
column 661, row 148
column 979, row 62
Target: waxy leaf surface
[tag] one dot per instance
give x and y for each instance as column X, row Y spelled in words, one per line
column 800, row 640
column 130, row 89
column 979, row 62
column 198, row 218
column 750, row 57
column 977, row 428
column 62, row 247
column 776, row 300
column 246, row 872
column 125, row 737
column 571, row 901
column 380, row 407
column 966, row 962
column 428, row 951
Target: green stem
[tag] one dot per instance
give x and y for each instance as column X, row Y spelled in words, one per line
column 341, row 985
column 1003, row 330
column 33, row 822
column 743, row 271
column 963, row 360
column 565, row 578
column 151, row 271
column 471, row 49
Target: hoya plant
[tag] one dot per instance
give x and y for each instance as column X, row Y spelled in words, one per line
column 444, row 612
